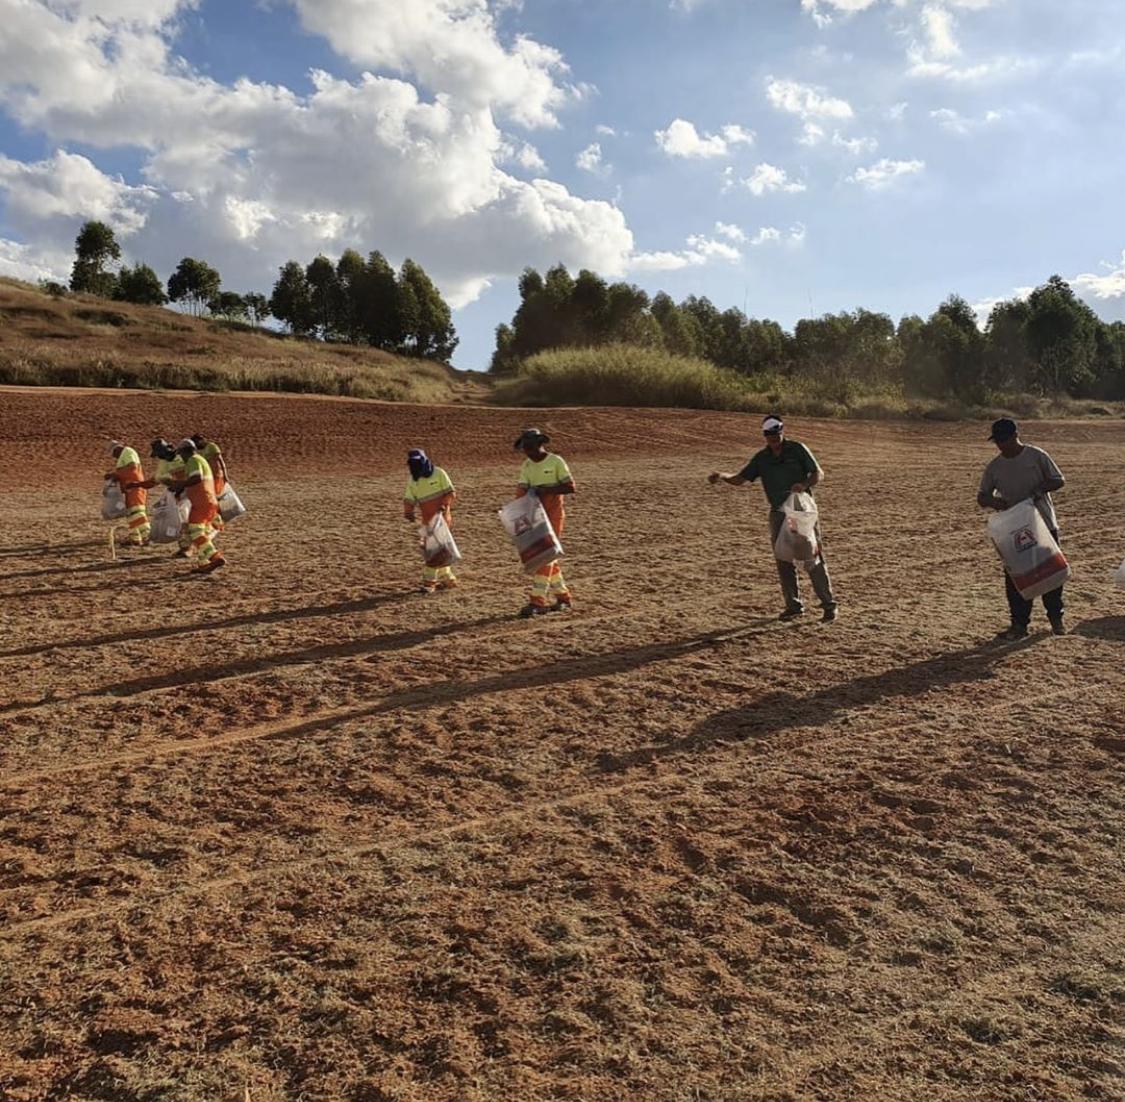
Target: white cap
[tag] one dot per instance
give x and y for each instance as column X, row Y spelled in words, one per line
column 772, row 424
column 186, row 443
column 112, row 446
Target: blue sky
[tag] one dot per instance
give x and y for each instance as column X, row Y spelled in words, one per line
column 784, row 156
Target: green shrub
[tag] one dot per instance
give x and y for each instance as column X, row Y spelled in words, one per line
column 623, row 375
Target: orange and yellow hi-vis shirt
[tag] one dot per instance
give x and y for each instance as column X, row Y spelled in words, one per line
column 545, row 477
column 128, row 469
column 204, row 505
column 430, row 495
column 211, row 452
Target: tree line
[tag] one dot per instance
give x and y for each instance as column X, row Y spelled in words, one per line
column 354, row 300
column 1049, row 343
column 366, row 302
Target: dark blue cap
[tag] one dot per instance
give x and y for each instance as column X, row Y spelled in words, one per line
column 531, row 436
column 1004, row 429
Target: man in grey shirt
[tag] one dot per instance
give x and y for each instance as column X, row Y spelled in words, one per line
column 1019, row 472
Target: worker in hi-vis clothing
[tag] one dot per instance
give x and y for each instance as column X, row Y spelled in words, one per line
column 128, row 474
column 198, row 483
column 548, row 477
column 214, row 456
column 430, row 491
column 169, row 469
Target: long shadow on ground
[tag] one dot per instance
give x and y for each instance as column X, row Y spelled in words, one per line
column 450, row 692
column 1105, row 627
column 203, row 675
column 363, row 604
column 36, row 550
column 73, row 590
column 782, row 710
column 96, row 568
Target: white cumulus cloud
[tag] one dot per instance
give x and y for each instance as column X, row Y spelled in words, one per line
column 856, row 146
column 765, row 234
column 806, row 100
column 766, row 178
column 699, row 250
column 523, row 154
column 450, row 46
column 681, row 139
column 956, row 123
column 20, row 261
column 248, row 174
column 885, row 172
column 1107, row 284
column 939, row 28
column 590, row 159
column 811, row 134
column 822, row 10
column 768, row 235
column 71, row 187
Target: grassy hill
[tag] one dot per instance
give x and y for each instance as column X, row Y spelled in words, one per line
column 81, row 340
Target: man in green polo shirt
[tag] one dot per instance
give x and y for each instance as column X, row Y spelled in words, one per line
column 786, row 467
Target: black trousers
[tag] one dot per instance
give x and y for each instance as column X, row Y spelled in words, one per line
column 1021, row 608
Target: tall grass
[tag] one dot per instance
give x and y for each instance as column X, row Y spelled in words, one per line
column 625, row 375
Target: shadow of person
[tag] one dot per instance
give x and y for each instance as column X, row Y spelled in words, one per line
column 783, row 710
column 95, row 568
column 1105, row 627
column 163, row 631
column 35, row 550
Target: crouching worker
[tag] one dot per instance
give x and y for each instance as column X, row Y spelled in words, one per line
column 429, row 491
column 197, row 482
column 129, row 476
column 548, row 477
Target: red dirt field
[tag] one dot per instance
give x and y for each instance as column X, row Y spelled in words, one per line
column 292, row 832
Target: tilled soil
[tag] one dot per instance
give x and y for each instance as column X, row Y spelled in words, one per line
column 293, row 831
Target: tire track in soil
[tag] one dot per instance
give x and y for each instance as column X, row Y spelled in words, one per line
column 514, row 814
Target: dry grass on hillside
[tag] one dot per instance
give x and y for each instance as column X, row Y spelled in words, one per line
column 81, row 340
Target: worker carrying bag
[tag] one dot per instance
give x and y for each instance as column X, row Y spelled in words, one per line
column 113, row 500
column 526, row 522
column 439, row 548
column 168, row 518
column 796, row 541
column 230, row 504
column 1030, row 554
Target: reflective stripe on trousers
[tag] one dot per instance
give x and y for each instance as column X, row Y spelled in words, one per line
column 548, row 580
column 139, row 527
column 201, row 545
